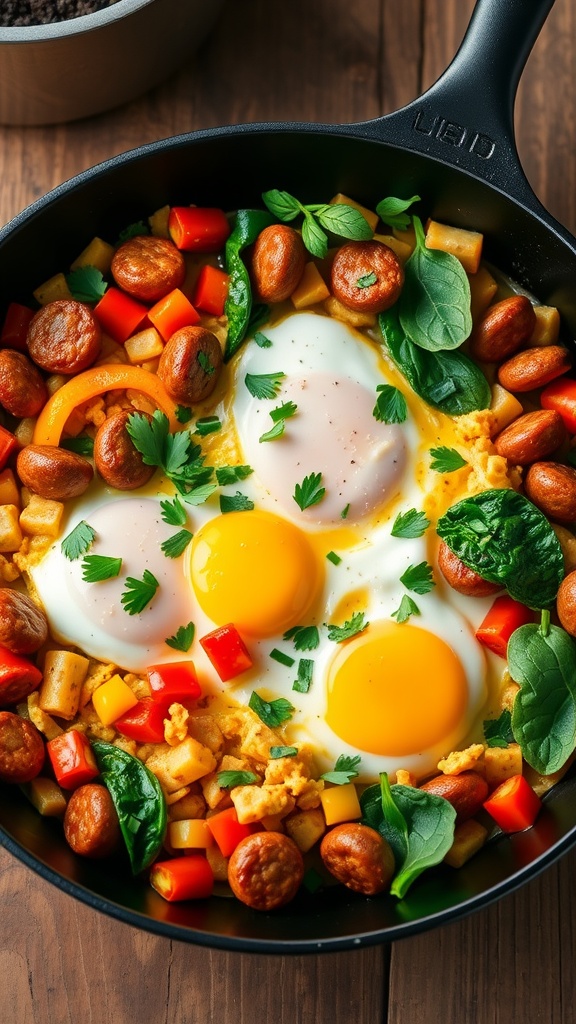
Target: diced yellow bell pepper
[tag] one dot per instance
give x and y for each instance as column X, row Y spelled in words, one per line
column 113, row 699
column 54, row 288
column 190, row 834
column 96, row 254
column 340, row 803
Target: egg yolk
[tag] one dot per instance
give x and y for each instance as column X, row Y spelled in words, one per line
column 254, row 569
column 395, row 690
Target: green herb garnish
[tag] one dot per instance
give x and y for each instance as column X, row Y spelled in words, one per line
column 235, row 503
column 226, row 780
column 305, row 638
column 446, row 460
column 338, row 218
column 261, row 340
column 390, row 405
column 183, row 413
column 392, row 211
column 366, row 280
column 410, row 524
column 96, row 568
column 231, row 474
column 276, row 752
column 334, row 558
column 205, row 364
column 82, row 445
column 498, row 731
column 309, row 492
column 273, row 713
column 86, row 284
column 174, row 546
column 182, row 639
column 357, row 624
column 139, row 593
column 304, row 680
column 418, row 578
column 78, row 541
column 281, row 658
column 263, row 385
column 207, row 425
column 345, row 769
column 173, row 512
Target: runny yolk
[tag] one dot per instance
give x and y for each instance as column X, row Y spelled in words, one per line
column 254, row 569
column 395, row 690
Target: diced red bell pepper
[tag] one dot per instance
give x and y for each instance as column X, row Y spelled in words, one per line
column 18, row 678
column 211, row 290
column 72, row 759
column 175, row 681
column 119, row 314
column 500, row 621
column 198, row 228
column 514, row 805
column 184, row 878
column 560, row 396
column 144, row 722
column 172, row 312
column 228, row 831
column 15, row 327
column 9, row 444
column 227, row 651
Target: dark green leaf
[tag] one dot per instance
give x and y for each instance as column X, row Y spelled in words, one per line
column 198, row 495
column 86, row 284
column 132, row 231
column 174, row 546
column 345, row 769
column 238, row 305
column 305, row 638
column 207, row 425
column 138, row 593
column 231, row 474
column 235, row 503
column 390, row 405
column 281, row 204
column 350, row 628
column 366, row 280
column 410, row 524
column 182, row 639
column 183, row 413
column 418, row 578
column 281, row 658
column 392, row 211
column 498, row 731
column 205, row 364
column 96, row 568
column 446, row 460
column 344, row 220
column 314, row 238
column 345, row 511
column 334, row 558
column 263, row 385
column 228, row 779
column 407, row 608
column 82, row 445
column 173, row 512
column 261, row 340
column 309, row 492
column 273, row 713
column 276, row 752
column 304, row 680
column 78, row 541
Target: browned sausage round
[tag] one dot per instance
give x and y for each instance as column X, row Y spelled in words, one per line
column 53, row 472
column 24, row 682
column 190, row 365
column 22, row 749
column 359, row 857
column 460, row 577
column 503, row 329
column 466, row 792
column 148, row 267
column 367, row 276
column 64, row 337
column 278, row 261
column 265, row 870
column 117, row 460
column 91, row 824
column 566, row 603
column 23, row 626
column 22, row 389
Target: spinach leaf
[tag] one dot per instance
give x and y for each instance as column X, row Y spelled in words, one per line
column 505, row 539
column 544, row 712
column 434, row 306
column 138, row 800
column 238, row 306
column 448, row 381
column 418, row 825
column 498, row 731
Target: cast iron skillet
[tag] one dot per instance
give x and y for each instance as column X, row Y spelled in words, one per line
column 455, row 148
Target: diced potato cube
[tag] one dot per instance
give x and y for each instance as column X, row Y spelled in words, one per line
column 24, row 430
column 145, row 345
column 405, row 778
column 188, row 805
column 568, row 544
column 9, row 490
column 253, row 803
column 401, row 249
column 306, row 828
column 64, row 673
column 542, row 783
column 546, row 328
column 340, row 803
column 46, row 796
column 465, row 245
column 158, row 222
column 218, row 862
column 97, row 253
column 469, row 837
column 370, row 215
column 505, row 408
column 337, row 309
column 54, row 288
column 42, row 516
column 10, row 531
column 183, row 764
column 190, row 834
column 43, row 722
column 213, row 793
column 483, row 288
column 176, row 797
column 501, row 763
column 273, row 823
column 311, row 289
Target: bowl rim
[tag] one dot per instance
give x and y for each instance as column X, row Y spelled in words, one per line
column 73, row 26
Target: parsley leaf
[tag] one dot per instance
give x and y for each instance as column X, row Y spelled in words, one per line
column 306, row 638
column 261, row 340
column 205, row 364
column 198, row 495
column 235, row 503
column 276, row 431
column 273, row 712
column 263, row 385
column 207, row 425
column 407, row 608
column 86, row 284
column 77, row 541
column 345, row 769
column 82, row 445
column 418, row 578
column 183, row 413
column 174, row 546
column 173, row 512
column 228, row 779
column 278, row 415
column 309, row 492
column 390, row 405
column 304, row 681
column 182, row 639
column 175, row 454
column 281, row 658
column 498, row 731
column 138, row 228
column 410, row 524
column 276, row 752
column 446, row 460
column 355, row 625
column 366, row 280
column 100, row 567
column 231, row 474
column 139, row 593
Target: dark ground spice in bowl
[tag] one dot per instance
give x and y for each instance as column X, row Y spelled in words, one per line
column 21, row 13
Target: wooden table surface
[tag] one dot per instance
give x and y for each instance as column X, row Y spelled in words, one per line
column 61, row 963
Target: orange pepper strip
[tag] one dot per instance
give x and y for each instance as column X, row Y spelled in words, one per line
column 87, row 385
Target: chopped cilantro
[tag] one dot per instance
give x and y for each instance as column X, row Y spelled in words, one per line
column 276, row 752
column 418, row 578
column 82, row 445
column 235, row 503
column 406, row 608
column 281, row 658
column 205, row 364
column 207, row 425
column 139, row 593
column 498, row 731
column 263, row 385
column 305, row 638
column 356, row 624
column 446, row 460
column 86, row 284
column 173, row 512
column 309, row 492
column 100, row 567
column 198, row 495
column 345, row 769
column 183, row 414
column 390, row 405
column 410, row 524
column 78, row 541
column 175, row 454
column 182, row 639
column 174, row 546
column 231, row 474
column 345, row 511
column 261, row 340
column 304, row 679
column 366, row 280
column 276, row 431
column 226, row 780
column 273, row 713
column 138, row 228
column 278, row 416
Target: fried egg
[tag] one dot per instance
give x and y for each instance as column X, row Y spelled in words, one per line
column 397, row 693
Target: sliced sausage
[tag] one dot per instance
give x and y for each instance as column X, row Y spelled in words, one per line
column 503, row 329
column 91, row 825
column 367, row 276
column 18, row 678
column 266, row 870
column 23, row 626
column 462, row 579
column 64, row 337
column 190, row 365
column 278, row 261
column 359, row 857
column 116, row 458
column 53, row 472
column 148, row 267
column 22, row 749
column 22, row 388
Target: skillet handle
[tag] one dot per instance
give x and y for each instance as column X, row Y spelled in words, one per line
column 467, row 117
